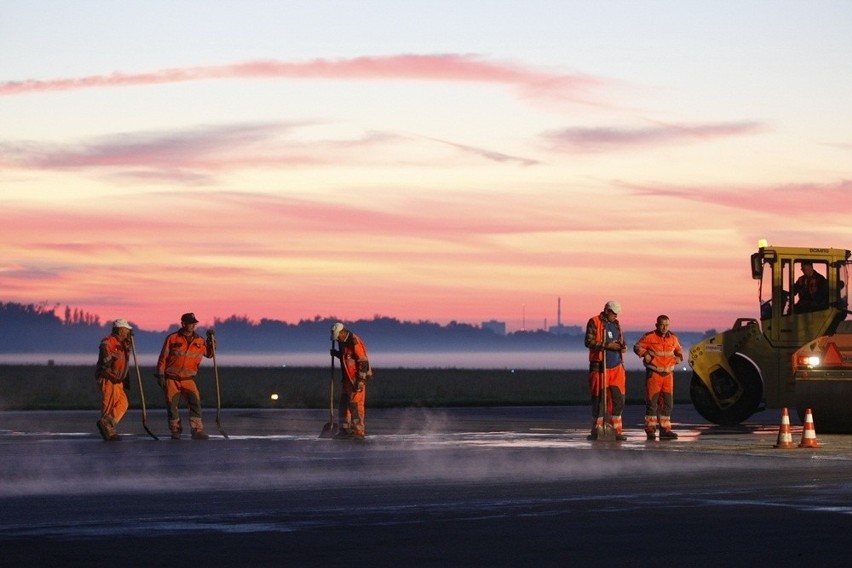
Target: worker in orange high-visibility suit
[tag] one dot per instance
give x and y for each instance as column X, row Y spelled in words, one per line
column 356, row 372
column 177, row 366
column 660, row 351
column 111, row 374
column 606, row 346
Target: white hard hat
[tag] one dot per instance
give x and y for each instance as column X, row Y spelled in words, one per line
column 336, row 329
column 121, row 323
column 614, row 306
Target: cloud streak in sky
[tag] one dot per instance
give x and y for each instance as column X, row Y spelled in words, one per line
column 209, row 148
column 491, row 155
column 789, row 200
column 440, row 67
column 608, row 138
column 193, row 156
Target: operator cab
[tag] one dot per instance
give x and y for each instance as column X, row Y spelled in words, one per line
column 804, row 288
column 800, row 294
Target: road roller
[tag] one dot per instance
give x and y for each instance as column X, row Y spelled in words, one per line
column 762, row 362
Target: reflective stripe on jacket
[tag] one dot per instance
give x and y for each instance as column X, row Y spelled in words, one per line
column 665, row 351
column 594, row 342
column 181, row 356
column 112, row 359
column 353, row 358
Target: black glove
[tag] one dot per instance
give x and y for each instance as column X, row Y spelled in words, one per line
column 126, row 385
column 161, row 381
column 335, row 353
column 359, row 385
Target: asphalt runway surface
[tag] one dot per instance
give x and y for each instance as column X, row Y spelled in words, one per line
column 501, row 486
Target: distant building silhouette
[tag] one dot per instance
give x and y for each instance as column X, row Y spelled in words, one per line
column 559, row 329
column 498, row 327
column 569, row 330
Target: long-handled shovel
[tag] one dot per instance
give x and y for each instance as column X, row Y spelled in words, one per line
column 330, row 428
column 141, row 389
column 605, row 432
column 212, row 336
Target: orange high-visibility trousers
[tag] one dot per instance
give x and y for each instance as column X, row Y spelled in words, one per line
column 352, row 408
column 659, row 400
column 187, row 390
column 616, row 380
column 114, row 400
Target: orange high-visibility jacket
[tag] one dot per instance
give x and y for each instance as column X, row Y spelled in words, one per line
column 112, row 359
column 181, row 356
column 665, row 351
column 594, row 341
column 353, row 358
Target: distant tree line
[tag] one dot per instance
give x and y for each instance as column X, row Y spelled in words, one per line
column 35, row 328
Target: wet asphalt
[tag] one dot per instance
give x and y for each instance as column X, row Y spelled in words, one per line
column 498, row 486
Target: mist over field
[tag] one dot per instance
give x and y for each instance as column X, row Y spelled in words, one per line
column 568, row 359
column 35, row 334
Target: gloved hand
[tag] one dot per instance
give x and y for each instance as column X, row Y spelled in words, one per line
column 359, row 385
column 334, row 353
column 126, row 385
column 161, row 381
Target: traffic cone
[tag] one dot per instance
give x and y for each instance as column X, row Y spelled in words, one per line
column 785, row 436
column 809, row 432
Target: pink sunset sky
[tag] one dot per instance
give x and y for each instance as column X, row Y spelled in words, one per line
column 439, row 161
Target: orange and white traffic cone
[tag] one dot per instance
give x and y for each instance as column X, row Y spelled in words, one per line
column 785, row 436
column 809, row 432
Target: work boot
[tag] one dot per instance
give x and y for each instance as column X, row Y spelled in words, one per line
column 651, row 436
column 667, row 435
column 620, row 437
column 102, row 428
column 343, row 434
column 106, row 426
column 593, row 436
column 199, row 435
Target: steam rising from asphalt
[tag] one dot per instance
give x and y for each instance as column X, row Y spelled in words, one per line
column 425, row 449
column 277, row 464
